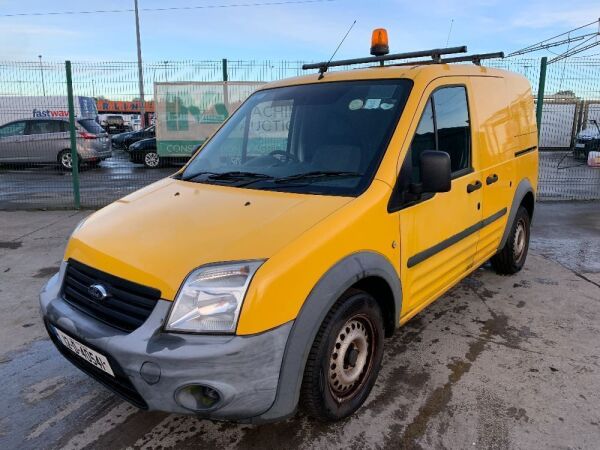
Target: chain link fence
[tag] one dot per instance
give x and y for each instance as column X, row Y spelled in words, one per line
column 117, row 144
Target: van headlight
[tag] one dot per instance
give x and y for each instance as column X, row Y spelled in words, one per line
column 211, row 297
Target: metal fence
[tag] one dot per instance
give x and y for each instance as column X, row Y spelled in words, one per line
column 34, row 155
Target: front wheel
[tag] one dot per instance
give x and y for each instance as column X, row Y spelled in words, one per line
column 345, row 358
column 152, row 160
column 511, row 258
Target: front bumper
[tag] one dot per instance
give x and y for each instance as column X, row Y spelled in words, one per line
column 153, row 366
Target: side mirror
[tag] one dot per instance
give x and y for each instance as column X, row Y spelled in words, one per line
column 435, row 171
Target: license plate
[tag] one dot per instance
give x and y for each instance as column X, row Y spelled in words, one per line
column 84, row 352
column 580, row 145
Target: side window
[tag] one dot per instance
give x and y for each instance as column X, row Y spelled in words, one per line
column 12, row 129
column 444, row 126
column 424, row 139
column 453, row 129
column 64, row 126
column 44, row 127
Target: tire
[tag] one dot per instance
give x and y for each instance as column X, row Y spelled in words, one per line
column 65, row 161
column 332, row 391
column 511, row 258
column 152, row 160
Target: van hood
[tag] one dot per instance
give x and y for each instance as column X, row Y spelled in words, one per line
column 158, row 235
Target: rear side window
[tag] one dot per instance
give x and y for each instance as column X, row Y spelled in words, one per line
column 91, row 126
column 444, row 126
column 44, row 127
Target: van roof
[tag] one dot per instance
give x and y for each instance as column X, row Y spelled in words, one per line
column 421, row 72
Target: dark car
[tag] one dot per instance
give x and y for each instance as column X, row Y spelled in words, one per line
column 124, row 140
column 588, row 139
column 144, row 152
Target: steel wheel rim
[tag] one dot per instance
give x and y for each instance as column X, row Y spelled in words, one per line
column 151, row 159
column 520, row 241
column 351, row 358
column 66, row 160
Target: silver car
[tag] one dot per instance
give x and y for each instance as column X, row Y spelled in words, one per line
column 35, row 141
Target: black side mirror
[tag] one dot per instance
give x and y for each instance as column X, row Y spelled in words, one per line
column 435, row 171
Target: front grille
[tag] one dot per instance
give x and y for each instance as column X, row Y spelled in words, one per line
column 127, row 305
column 119, row 384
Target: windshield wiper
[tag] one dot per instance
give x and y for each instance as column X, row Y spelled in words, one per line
column 317, row 175
column 232, row 175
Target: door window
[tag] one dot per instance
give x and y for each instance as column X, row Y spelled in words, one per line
column 12, row 129
column 444, row 126
column 424, row 140
column 44, row 127
column 453, row 130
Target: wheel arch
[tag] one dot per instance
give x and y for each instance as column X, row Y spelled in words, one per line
column 524, row 195
column 369, row 271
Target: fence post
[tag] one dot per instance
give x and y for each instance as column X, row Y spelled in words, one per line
column 74, row 156
column 225, row 75
column 225, row 88
column 540, row 97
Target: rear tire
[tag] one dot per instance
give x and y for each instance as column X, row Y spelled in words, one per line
column 345, row 358
column 65, row 162
column 511, row 258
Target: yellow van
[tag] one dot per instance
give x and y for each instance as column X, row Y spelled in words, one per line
column 326, row 212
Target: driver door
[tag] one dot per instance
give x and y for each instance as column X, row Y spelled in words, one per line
column 439, row 232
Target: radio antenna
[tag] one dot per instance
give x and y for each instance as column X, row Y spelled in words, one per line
column 323, row 68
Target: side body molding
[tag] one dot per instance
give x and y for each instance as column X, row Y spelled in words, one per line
column 330, row 287
column 523, row 188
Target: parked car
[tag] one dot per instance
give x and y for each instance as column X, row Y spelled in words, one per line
column 114, row 124
column 35, row 141
column 145, row 152
column 124, row 140
column 318, row 219
column 588, row 140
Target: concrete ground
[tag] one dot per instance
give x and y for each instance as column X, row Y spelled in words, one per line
column 498, row 362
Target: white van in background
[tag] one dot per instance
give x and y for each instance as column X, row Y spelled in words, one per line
column 51, row 107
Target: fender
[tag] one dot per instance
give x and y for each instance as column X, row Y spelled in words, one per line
column 326, row 292
column 523, row 188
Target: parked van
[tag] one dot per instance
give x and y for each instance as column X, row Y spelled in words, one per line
column 20, row 107
column 326, row 212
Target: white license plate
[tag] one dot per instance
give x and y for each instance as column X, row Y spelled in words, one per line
column 580, row 145
column 83, row 351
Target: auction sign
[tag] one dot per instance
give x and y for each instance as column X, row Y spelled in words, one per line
column 188, row 113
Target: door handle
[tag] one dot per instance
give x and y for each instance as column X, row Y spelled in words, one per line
column 474, row 186
column 491, row 179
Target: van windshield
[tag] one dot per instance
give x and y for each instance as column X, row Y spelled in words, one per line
column 325, row 138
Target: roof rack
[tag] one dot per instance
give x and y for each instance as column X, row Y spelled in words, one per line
column 475, row 59
column 435, row 55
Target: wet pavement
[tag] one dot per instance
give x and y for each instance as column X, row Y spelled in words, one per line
column 498, row 362
column 48, row 187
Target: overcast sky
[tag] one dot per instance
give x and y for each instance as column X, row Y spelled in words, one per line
column 294, row 31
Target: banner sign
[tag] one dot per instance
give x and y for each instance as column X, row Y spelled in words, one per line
column 188, row 113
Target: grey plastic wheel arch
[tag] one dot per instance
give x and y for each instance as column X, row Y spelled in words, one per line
column 523, row 188
column 327, row 291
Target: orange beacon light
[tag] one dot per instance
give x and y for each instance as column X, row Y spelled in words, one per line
column 379, row 42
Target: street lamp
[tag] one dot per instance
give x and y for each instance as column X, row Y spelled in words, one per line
column 42, row 75
column 139, row 58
